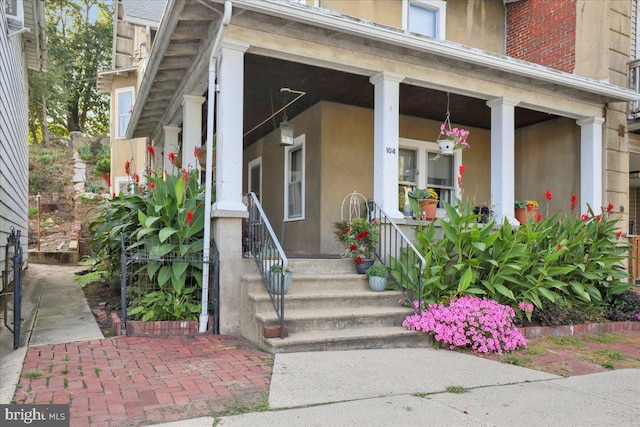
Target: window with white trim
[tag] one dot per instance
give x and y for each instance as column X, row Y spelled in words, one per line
column 420, row 166
column 254, row 180
column 425, row 17
column 294, row 180
column 123, row 185
column 124, row 108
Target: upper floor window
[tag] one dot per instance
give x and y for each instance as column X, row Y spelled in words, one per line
column 124, row 108
column 425, row 17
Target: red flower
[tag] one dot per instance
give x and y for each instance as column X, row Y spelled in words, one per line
column 539, row 217
column 189, row 217
column 461, row 170
column 152, row 185
column 185, row 175
column 359, row 260
column 548, row 195
column 619, row 234
column 598, row 218
column 347, row 230
column 113, row 195
column 127, row 167
column 559, row 246
column 196, row 152
column 171, row 156
column 362, row 235
column 353, row 248
column 574, row 202
column 105, row 176
column 136, row 178
column 151, row 150
column 529, row 207
column 585, row 217
column 610, row 208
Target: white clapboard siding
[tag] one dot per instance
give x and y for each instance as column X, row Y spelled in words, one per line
column 14, row 146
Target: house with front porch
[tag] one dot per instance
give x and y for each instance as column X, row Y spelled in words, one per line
column 366, row 86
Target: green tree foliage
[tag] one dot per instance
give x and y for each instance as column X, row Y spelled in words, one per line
column 79, row 45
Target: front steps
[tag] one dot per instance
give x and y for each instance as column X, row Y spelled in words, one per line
column 329, row 307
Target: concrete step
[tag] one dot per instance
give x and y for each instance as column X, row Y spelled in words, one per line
column 311, row 282
column 337, row 318
column 349, row 339
column 322, row 266
column 314, row 300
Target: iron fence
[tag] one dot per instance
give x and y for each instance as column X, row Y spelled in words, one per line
column 157, row 285
column 12, row 286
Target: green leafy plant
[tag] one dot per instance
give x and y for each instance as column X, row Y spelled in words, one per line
column 377, row 270
column 360, row 238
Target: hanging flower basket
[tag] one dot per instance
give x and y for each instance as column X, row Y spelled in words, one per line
column 451, row 139
column 446, row 147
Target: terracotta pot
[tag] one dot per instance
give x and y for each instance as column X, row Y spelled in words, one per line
column 202, row 157
column 523, row 214
column 428, row 207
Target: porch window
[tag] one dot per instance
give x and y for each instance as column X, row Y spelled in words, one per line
column 123, row 185
column 425, row 17
column 255, row 177
column 124, row 107
column 419, row 166
column 294, row 180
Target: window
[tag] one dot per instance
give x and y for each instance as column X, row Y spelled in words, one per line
column 123, row 185
column 425, row 17
column 255, row 177
column 419, row 166
column 14, row 11
column 294, row 180
column 124, row 108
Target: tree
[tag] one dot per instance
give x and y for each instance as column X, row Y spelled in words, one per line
column 79, row 45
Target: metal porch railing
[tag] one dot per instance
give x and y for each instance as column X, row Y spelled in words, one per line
column 396, row 251
column 263, row 246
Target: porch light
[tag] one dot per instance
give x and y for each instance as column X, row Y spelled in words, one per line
column 286, row 133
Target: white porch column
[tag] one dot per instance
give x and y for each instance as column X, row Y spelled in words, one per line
column 385, row 135
column 170, row 144
column 191, row 129
column 503, row 158
column 590, row 163
column 229, row 127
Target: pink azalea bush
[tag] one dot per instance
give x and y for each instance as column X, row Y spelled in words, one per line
column 483, row 324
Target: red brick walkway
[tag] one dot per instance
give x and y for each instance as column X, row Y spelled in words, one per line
column 129, row 381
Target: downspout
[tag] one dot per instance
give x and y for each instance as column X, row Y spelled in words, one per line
column 213, row 63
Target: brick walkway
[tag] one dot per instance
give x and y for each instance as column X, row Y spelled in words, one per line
column 129, row 381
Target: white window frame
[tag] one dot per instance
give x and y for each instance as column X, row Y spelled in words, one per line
column 257, row 162
column 423, row 148
column 14, row 12
column 117, row 94
column 298, row 143
column 126, row 181
column 439, row 6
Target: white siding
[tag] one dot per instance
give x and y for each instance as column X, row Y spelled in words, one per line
column 14, row 146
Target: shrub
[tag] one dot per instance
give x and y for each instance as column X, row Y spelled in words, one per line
column 576, row 262
column 482, row 324
column 624, row 307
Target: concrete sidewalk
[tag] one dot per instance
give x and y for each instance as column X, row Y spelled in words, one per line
column 127, row 381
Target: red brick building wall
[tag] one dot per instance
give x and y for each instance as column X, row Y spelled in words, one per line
column 544, row 32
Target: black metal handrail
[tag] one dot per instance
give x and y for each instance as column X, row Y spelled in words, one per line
column 395, row 250
column 263, row 246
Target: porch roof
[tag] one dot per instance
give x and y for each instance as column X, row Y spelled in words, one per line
column 184, row 41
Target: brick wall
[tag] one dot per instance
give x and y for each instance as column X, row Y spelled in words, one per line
column 543, row 31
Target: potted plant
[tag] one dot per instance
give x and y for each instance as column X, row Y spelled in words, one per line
column 377, row 275
column 269, row 257
column 280, row 279
column 360, row 236
column 525, row 209
column 452, row 139
column 424, row 201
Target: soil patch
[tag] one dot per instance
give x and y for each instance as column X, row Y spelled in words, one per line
column 581, row 355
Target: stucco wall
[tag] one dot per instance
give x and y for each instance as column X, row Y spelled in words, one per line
column 123, row 150
column 477, row 23
column 548, row 158
column 591, row 46
column 387, row 12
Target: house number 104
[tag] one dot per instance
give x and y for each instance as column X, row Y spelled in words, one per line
column 391, row 150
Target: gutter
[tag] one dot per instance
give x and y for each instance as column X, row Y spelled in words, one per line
column 388, row 35
column 213, row 64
